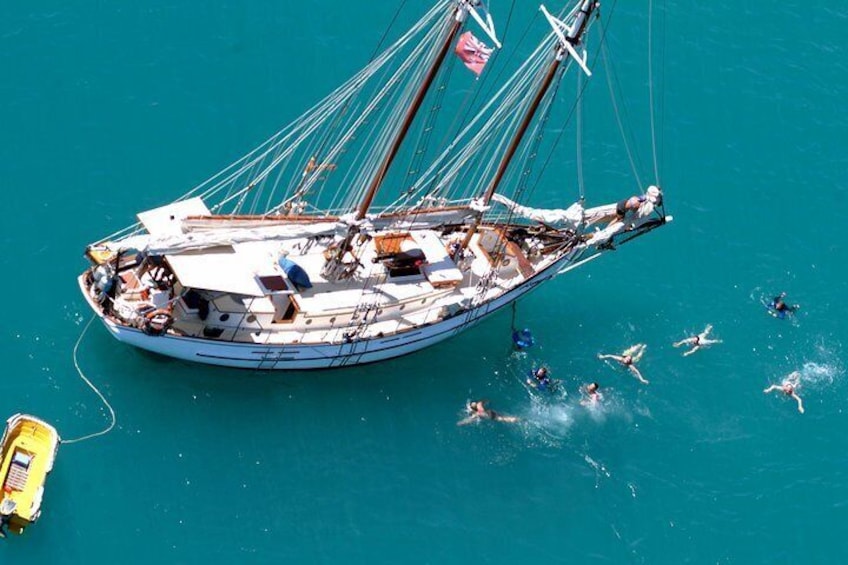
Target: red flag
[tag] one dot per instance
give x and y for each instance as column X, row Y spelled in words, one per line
column 473, row 52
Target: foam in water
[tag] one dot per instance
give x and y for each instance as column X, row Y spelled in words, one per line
column 818, row 374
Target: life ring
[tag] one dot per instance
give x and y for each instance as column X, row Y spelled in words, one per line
column 523, row 339
column 157, row 322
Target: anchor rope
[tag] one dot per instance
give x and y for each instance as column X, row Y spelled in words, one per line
column 92, row 387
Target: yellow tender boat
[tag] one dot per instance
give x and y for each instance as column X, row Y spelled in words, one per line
column 28, row 449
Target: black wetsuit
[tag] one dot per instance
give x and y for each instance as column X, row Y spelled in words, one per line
column 782, row 307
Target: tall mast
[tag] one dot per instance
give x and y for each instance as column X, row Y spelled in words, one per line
column 333, row 268
column 458, row 19
column 565, row 47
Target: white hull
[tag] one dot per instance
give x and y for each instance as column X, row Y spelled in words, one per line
column 321, row 356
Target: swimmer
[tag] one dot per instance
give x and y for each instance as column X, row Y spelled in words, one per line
column 593, row 396
column 698, row 341
column 477, row 410
column 779, row 308
column 788, row 387
column 628, row 358
column 540, row 379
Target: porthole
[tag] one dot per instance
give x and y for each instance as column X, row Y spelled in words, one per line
column 224, row 317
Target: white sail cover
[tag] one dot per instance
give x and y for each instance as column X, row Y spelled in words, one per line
column 170, row 232
column 571, row 216
column 180, row 243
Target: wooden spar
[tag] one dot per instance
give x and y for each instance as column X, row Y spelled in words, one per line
column 513, row 146
column 410, row 115
column 334, row 261
column 522, row 129
column 311, row 218
column 573, row 39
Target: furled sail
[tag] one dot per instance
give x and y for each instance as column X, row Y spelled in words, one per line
column 570, row 217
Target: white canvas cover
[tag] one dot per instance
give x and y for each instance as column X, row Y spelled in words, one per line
column 167, row 220
column 221, row 269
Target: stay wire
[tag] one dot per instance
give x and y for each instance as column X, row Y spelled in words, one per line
column 573, row 109
column 651, row 88
column 92, row 387
column 580, row 186
column 611, row 75
column 662, row 89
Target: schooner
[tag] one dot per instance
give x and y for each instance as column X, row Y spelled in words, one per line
column 285, row 260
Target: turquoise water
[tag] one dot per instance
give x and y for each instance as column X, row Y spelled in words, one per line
column 105, row 111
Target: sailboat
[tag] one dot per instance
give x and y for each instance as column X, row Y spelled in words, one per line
column 318, row 249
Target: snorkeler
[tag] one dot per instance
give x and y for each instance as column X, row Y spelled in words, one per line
column 698, row 341
column 477, row 410
column 779, row 308
column 788, row 387
column 592, row 396
column 628, row 358
column 540, row 379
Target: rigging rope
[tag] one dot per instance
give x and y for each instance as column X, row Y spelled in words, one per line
column 581, row 190
column 610, row 73
column 651, row 88
column 573, row 109
column 94, row 388
column 458, row 124
column 662, row 92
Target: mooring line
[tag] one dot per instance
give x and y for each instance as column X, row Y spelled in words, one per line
column 92, row 387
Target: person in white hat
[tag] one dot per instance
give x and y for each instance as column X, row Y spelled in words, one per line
column 642, row 204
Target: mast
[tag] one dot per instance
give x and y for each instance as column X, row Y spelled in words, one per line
column 332, row 269
column 565, row 47
column 412, row 111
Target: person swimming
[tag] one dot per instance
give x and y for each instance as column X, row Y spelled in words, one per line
column 540, row 379
column 779, row 308
column 592, row 395
column 628, row 358
column 788, row 387
column 477, row 410
column 697, row 341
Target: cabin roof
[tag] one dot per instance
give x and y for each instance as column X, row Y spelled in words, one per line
column 231, row 268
